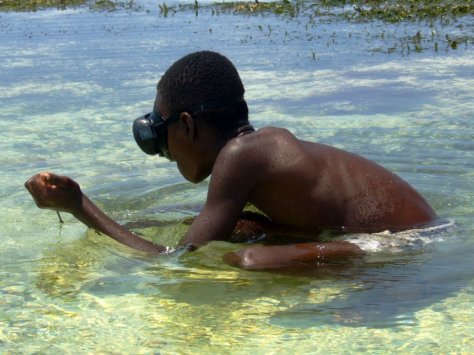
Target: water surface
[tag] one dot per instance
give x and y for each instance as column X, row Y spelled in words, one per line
column 72, row 81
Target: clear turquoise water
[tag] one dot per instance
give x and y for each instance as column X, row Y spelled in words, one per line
column 71, row 83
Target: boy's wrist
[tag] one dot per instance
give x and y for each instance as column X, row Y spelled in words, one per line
column 82, row 211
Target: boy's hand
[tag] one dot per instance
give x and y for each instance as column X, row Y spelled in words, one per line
column 55, row 192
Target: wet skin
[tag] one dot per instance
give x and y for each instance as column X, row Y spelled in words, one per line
column 302, row 187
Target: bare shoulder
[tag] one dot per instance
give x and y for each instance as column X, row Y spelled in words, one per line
column 269, row 135
column 258, row 154
column 248, row 159
column 259, row 146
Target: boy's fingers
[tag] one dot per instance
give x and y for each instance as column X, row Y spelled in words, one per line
column 33, row 182
column 49, row 178
column 37, row 184
column 36, row 191
column 54, row 180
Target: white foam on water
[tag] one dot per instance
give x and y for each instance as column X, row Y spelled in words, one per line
column 387, row 241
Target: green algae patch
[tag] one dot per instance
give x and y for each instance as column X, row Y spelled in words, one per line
column 279, row 7
column 35, row 5
column 396, row 11
column 389, row 11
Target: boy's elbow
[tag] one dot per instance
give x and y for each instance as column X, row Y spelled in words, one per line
column 242, row 258
column 254, row 258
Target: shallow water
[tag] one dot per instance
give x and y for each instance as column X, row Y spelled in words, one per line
column 71, row 83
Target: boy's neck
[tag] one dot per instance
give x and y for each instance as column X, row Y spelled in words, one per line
column 222, row 139
column 248, row 128
column 230, row 134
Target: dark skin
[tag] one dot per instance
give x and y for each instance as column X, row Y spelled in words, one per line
column 303, row 188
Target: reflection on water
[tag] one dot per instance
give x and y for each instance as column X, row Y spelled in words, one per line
column 71, row 83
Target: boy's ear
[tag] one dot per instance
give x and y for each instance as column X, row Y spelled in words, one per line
column 189, row 125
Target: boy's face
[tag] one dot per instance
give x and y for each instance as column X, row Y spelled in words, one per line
column 184, row 146
column 160, row 107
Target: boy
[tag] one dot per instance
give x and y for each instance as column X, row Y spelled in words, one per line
column 200, row 121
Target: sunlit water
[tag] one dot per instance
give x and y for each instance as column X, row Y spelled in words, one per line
column 71, row 82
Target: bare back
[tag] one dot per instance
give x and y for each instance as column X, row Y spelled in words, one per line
column 315, row 186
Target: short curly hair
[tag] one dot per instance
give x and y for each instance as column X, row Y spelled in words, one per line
column 202, row 77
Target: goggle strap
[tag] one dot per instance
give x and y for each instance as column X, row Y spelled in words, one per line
column 209, row 105
column 213, row 104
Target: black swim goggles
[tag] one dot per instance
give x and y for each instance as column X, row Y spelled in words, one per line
column 151, row 130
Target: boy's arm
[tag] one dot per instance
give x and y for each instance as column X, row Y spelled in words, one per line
column 261, row 257
column 219, row 216
column 216, row 221
column 61, row 193
column 94, row 218
column 233, row 179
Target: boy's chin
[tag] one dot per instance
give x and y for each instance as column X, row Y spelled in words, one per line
column 195, row 178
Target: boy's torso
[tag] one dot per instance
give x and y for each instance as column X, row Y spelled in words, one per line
column 310, row 185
